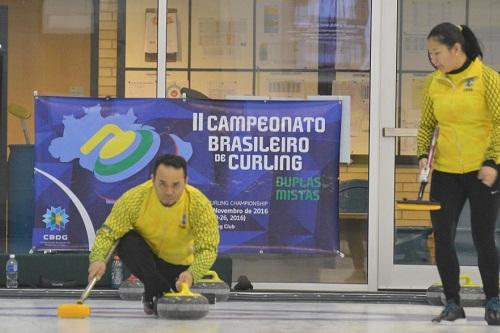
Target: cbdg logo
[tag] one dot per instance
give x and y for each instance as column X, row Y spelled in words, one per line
column 55, row 219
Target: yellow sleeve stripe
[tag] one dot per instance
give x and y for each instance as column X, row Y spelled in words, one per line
column 491, row 80
column 205, row 234
column 427, row 121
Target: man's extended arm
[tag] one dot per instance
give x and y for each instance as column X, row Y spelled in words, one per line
column 205, row 235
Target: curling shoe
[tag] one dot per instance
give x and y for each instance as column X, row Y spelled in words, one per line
column 492, row 311
column 452, row 312
column 149, row 306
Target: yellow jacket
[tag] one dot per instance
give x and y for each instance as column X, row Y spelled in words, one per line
column 185, row 234
column 466, row 107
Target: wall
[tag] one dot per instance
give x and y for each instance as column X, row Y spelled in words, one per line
column 108, row 26
column 52, row 64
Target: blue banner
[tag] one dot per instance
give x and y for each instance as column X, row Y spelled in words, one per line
column 269, row 168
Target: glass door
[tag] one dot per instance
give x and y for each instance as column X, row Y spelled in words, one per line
column 406, row 240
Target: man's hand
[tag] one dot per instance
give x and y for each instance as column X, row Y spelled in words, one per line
column 487, row 175
column 184, row 277
column 96, row 269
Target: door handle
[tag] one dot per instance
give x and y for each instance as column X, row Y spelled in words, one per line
column 399, row 132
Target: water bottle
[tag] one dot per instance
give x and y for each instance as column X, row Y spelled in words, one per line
column 116, row 273
column 11, row 272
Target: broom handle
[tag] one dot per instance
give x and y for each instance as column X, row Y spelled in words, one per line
column 25, row 132
column 432, row 149
column 90, row 286
column 424, row 174
column 421, row 190
column 87, row 291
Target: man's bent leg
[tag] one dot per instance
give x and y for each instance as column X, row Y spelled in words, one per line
column 142, row 262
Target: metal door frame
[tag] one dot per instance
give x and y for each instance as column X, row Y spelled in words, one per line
column 3, row 126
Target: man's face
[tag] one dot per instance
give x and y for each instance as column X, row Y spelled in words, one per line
column 169, row 183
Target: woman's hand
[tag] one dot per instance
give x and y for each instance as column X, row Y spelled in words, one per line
column 487, row 175
column 423, row 171
column 422, row 163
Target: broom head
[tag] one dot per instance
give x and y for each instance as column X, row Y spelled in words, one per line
column 19, row 111
column 73, row 311
column 418, row 205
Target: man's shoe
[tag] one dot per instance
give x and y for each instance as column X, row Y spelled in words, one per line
column 149, row 306
column 452, row 312
column 492, row 311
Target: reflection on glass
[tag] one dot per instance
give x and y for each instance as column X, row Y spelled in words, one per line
column 297, row 44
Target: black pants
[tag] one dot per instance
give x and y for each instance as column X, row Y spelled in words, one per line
column 157, row 275
column 452, row 190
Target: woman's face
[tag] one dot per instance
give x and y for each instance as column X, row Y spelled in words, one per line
column 444, row 58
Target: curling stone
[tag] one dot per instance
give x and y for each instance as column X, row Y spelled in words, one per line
column 210, row 283
column 131, row 289
column 434, row 294
column 182, row 305
column 470, row 293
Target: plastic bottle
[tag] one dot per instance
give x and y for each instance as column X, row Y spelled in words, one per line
column 11, row 272
column 116, row 273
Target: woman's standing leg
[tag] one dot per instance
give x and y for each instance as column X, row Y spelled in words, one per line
column 448, row 190
column 485, row 202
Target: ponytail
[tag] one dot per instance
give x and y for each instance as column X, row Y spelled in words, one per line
column 471, row 47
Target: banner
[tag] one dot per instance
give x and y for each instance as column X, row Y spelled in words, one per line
column 269, row 168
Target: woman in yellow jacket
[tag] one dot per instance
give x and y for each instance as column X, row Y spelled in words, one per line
column 462, row 98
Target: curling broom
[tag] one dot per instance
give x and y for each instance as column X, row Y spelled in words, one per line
column 423, row 178
column 81, row 310
column 22, row 113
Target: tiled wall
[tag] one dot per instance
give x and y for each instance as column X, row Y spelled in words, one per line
column 107, row 47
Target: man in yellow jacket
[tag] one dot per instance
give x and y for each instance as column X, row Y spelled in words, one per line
column 167, row 230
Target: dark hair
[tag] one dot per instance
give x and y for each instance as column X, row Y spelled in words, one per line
column 174, row 161
column 449, row 34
